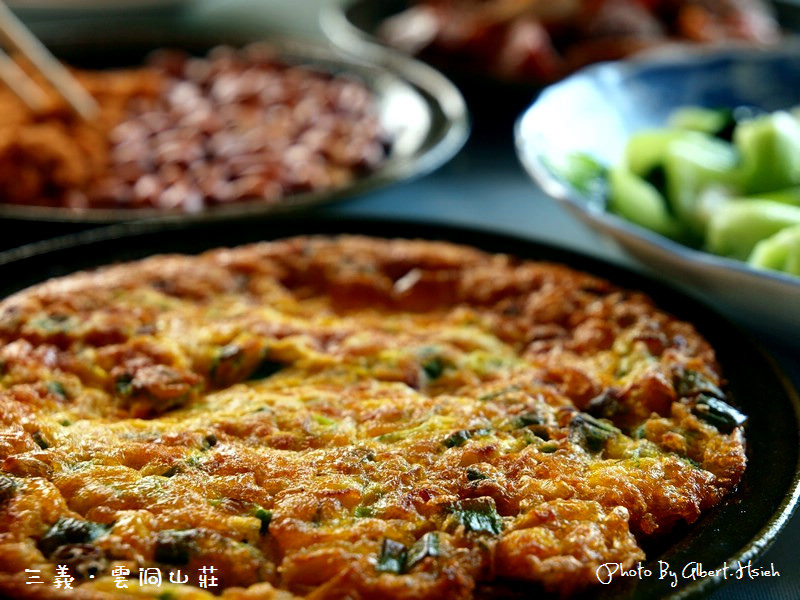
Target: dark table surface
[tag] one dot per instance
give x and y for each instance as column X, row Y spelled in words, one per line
column 484, row 187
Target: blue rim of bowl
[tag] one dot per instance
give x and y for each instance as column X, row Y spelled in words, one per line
column 533, row 159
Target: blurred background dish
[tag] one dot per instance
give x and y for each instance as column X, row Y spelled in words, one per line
column 411, row 116
column 595, row 112
column 83, row 8
column 788, row 14
column 353, row 26
column 525, row 44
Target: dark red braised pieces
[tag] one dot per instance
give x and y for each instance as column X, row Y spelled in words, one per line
column 539, row 41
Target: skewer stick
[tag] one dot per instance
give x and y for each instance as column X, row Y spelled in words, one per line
column 25, row 88
column 21, row 39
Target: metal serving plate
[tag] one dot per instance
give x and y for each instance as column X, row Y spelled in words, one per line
column 422, row 111
column 739, row 529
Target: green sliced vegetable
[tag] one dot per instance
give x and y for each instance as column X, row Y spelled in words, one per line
column 712, row 121
column 54, row 324
column 175, row 547
column 8, row 489
column 691, row 383
column 645, row 150
column 266, row 368
column 474, row 474
column 478, row 515
column 172, row 471
column 586, row 175
column 592, row 433
column 433, row 367
column 718, row 413
column 725, row 180
column 770, row 150
column 640, row 202
column 363, row 512
column 265, row 516
column 526, row 419
column 784, row 196
column 780, row 252
column 691, row 166
column 534, row 422
column 40, row 440
column 460, row 437
column 427, row 545
column 392, row 558
column 70, row 531
column 57, row 388
column 124, row 384
column 736, row 228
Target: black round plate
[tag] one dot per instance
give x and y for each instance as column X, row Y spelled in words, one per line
column 737, row 530
column 422, row 111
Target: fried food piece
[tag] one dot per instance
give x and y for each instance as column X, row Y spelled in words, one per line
column 45, row 156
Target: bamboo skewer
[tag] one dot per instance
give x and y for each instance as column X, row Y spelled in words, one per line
column 25, row 88
column 19, row 37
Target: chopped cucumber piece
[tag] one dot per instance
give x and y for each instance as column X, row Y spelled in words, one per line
column 736, row 228
column 640, row 202
column 690, row 166
column 727, row 180
column 785, row 196
column 712, row 199
column 781, row 252
column 770, row 149
column 705, row 120
column 646, row 149
column 586, row 175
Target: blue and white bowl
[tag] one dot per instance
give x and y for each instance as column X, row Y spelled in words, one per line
column 596, row 110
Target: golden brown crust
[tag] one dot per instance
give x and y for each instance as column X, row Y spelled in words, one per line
column 348, row 416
